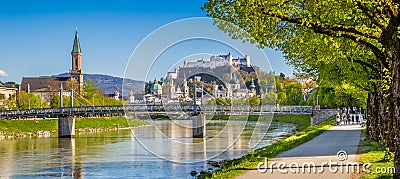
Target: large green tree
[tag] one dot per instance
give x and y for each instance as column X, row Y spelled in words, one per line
column 340, row 41
column 294, row 95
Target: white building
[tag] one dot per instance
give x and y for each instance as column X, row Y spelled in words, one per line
column 6, row 91
column 178, row 92
column 116, row 94
column 131, row 97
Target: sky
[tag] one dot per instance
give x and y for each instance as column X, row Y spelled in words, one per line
column 36, row 37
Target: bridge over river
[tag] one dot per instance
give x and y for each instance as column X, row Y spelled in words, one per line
column 87, row 111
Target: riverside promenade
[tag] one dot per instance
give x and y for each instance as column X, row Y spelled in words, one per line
column 333, row 153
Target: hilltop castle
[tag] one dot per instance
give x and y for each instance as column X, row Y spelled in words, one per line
column 216, row 63
column 211, row 71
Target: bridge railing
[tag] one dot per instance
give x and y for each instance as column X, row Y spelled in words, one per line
column 101, row 110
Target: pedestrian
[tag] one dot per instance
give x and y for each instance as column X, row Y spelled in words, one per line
column 357, row 119
column 338, row 119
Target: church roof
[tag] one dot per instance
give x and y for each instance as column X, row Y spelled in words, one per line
column 42, row 84
column 77, row 45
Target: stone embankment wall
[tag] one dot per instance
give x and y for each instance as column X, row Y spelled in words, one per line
column 320, row 115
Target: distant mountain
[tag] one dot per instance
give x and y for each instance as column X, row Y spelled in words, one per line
column 108, row 83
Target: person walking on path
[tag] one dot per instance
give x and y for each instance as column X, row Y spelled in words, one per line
column 338, row 119
column 344, row 119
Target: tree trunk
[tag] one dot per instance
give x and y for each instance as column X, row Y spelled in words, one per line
column 381, row 116
column 391, row 44
column 369, row 117
column 396, row 164
column 396, row 115
column 372, row 116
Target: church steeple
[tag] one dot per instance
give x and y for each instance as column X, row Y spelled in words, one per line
column 77, row 72
column 77, row 46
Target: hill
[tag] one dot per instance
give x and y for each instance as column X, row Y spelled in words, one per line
column 108, row 83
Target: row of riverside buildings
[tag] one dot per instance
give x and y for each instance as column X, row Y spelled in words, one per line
column 219, row 70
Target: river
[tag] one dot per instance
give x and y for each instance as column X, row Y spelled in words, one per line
column 161, row 150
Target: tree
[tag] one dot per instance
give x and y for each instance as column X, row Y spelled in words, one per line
column 72, row 83
column 294, row 94
column 357, row 40
column 147, row 87
column 27, row 100
column 254, row 102
column 281, row 98
column 340, row 96
column 90, row 89
column 55, row 101
column 269, row 98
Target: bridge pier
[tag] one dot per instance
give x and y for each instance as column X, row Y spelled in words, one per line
column 66, row 126
column 199, row 126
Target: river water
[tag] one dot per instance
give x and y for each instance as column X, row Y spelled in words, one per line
column 162, row 150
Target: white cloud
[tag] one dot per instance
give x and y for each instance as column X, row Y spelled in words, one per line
column 3, row 73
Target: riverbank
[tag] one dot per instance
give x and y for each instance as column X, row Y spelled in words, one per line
column 249, row 161
column 48, row 127
column 301, row 120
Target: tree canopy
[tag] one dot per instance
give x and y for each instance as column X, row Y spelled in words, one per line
column 340, row 42
column 340, row 36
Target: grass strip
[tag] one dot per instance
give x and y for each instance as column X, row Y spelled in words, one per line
column 381, row 166
column 17, row 127
column 249, row 161
column 301, row 120
column 104, row 122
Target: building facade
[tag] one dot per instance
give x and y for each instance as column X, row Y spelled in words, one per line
column 6, row 91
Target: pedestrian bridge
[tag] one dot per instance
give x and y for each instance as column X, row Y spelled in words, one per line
column 87, row 111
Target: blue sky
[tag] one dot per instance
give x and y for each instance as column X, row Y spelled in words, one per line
column 37, row 36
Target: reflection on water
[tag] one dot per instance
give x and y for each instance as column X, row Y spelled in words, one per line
column 116, row 154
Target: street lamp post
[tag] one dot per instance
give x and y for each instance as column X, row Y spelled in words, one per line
column 202, row 92
column 194, row 100
column 61, row 101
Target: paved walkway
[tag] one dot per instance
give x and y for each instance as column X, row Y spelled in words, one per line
column 321, row 151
